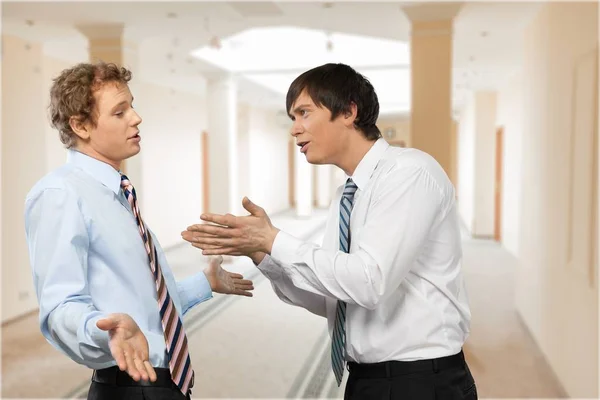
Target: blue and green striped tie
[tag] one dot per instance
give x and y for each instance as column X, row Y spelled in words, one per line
column 338, row 341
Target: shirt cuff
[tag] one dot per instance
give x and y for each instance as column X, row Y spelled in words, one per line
column 270, row 268
column 99, row 337
column 286, row 248
column 194, row 290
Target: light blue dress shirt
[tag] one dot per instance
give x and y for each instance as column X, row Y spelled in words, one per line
column 88, row 260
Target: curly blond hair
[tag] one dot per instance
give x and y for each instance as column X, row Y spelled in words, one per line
column 72, row 94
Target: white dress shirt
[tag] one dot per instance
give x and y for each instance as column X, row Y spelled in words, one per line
column 88, row 260
column 402, row 280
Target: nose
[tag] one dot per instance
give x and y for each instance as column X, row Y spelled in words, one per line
column 296, row 129
column 136, row 119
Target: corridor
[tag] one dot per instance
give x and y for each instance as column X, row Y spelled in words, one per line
column 262, row 348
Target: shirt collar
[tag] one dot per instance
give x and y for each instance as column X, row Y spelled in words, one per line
column 367, row 165
column 100, row 170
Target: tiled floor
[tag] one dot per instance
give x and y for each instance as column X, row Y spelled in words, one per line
column 262, row 348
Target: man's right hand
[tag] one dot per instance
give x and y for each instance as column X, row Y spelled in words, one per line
column 128, row 346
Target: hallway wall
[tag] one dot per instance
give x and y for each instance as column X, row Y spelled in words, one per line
column 510, row 117
column 485, row 163
column 23, row 161
column 170, row 158
column 557, row 281
column 268, row 148
column 56, row 154
column 466, row 163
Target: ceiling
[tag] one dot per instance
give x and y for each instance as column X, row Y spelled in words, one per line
column 487, row 36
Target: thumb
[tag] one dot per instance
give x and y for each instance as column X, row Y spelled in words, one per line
column 108, row 323
column 252, row 208
column 218, row 260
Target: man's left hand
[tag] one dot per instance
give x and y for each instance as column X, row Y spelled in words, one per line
column 231, row 235
column 226, row 282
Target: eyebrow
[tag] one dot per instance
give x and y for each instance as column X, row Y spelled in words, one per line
column 121, row 103
column 297, row 109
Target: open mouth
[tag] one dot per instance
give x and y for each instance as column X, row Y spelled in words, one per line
column 303, row 146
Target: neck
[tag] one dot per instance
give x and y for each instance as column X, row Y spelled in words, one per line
column 88, row 151
column 358, row 146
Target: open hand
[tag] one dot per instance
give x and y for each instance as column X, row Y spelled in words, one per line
column 237, row 236
column 128, row 346
column 225, row 282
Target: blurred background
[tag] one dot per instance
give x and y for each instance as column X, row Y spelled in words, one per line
column 504, row 95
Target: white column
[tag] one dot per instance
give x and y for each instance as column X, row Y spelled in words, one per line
column 304, row 185
column 222, row 139
column 324, row 185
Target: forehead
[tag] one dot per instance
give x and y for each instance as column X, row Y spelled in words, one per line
column 111, row 94
column 303, row 99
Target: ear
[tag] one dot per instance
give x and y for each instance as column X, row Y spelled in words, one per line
column 350, row 116
column 80, row 128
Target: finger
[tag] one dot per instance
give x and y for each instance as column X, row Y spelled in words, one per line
column 243, row 293
column 150, row 370
column 244, row 286
column 108, row 323
column 223, row 242
column 219, row 251
column 225, row 220
column 243, row 282
column 211, row 231
column 194, row 233
column 194, row 236
column 252, row 208
column 235, row 275
column 131, row 368
column 216, row 260
column 119, row 357
column 139, row 364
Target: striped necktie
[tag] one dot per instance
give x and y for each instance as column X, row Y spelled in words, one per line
column 177, row 348
column 338, row 340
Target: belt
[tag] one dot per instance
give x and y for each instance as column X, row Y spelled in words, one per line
column 115, row 377
column 388, row 369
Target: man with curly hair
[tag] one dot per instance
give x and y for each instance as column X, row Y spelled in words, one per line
column 107, row 296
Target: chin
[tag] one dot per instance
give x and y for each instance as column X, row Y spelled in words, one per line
column 312, row 159
column 133, row 151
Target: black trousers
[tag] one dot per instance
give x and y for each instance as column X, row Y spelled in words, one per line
column 446, row 378
column 113, row 384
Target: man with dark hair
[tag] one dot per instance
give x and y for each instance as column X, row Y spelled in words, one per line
column 107, row 296
column 388, row 276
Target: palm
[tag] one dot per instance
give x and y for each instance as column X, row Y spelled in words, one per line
column 124, row 339
column 128, row 346
column 225, row 282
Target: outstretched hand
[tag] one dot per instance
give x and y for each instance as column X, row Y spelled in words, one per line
column 225, row 282
column 232, row 235
column 128, row 346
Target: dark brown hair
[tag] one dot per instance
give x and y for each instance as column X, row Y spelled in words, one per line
column 337, row 86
